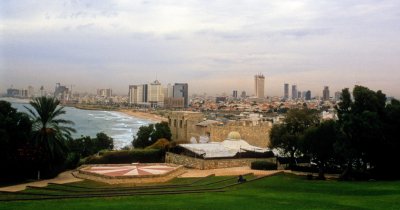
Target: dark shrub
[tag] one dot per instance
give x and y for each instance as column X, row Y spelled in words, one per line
column 263, row 165
column 128, row 156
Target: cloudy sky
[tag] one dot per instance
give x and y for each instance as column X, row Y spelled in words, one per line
column 215, row 46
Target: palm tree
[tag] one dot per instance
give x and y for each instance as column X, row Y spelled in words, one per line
column 49, row 131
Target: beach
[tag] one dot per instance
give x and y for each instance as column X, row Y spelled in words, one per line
column 143, row 115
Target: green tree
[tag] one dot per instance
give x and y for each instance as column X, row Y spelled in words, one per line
column 148, row 135
column 286, row 136
column 318, row 142
column 161, row 130
column 50, row 132
column 142, row 138
column 15, row 147
column 369, row 127
column 103, row 141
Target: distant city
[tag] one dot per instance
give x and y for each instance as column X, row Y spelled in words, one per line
column 176, row 97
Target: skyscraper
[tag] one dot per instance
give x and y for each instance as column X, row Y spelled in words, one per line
column 286, row 91
column 155, row 94
column 294, row 92
column 235, row 94
column 243, row 95
column 259, row 85
column 338, row 96
column 138, row 94
column 180, row 90
column 307, row 95
column 325, row 93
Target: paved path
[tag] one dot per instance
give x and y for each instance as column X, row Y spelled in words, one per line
column 67, row 177
column 64, row 177
column 227, row 172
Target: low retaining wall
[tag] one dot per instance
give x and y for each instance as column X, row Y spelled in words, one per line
column 205, row 164
column 133, row 179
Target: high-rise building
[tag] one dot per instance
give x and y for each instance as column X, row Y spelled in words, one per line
column 243, row 95
column 31, row 91
column 299, row 94
column 155, row 94
column 235, row 94
column 259, row 80
column 307, row 95
column 104, row 92
column 325, row 93
column 294, row 92
column 338, row 95
column 61, row 92
column 286, row 91
column 138, row 94
column 180, row 90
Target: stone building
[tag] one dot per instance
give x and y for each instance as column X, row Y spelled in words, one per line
column 183, row 125
column 232, row 152
column 255, row 134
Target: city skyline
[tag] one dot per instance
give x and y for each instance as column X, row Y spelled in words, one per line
column 213, row 46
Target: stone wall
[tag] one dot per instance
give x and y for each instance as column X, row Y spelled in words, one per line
column 205, row 164
column 134, row 179
column 183, row 125
column 254, row 134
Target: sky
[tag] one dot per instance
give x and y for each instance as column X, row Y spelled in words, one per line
column 214, row 46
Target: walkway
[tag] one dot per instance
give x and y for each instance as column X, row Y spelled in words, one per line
column 227, row 172
column 63, row 178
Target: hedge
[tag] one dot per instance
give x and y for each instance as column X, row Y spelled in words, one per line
column 263, row 165
column 127, row 156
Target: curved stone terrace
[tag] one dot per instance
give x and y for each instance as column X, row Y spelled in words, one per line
column 137, row 173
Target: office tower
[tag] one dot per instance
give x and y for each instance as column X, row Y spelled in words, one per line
column 308, row 95
column 31, row 91
column 235, row 94
column 325, row 93
column 138, row 94
column 259, row 85
column 286, row 91
column 180, row 90
column 294, row 92
column 155, row 94
column 299, row 94
column 61, row 92
column 104, row 92
column 170, row 91
column 338, row 95
column 243, row 95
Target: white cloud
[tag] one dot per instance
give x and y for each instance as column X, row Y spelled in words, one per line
column 317, row 42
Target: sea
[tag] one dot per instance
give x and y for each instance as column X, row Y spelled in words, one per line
column 119, row 126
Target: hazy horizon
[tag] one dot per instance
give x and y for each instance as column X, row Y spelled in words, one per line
column 216, row 47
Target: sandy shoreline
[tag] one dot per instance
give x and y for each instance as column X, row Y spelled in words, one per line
column 142, row 115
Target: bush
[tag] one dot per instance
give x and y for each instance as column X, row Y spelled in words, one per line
column 128, row 156
column 263, row 165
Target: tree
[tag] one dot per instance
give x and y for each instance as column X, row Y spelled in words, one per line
column 318, row 142
column 148, row 135
column 161, row 130
column 103, row 141
column 15, row 147
column 142, row 138
column 370, row 128
column 50, row 132
column 287, row 135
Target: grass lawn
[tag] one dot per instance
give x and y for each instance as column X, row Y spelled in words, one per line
column 276, row 192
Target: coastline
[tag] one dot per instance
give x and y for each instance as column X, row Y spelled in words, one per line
column 142, row 115
column 138, row 114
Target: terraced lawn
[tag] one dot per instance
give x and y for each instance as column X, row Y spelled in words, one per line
column 275, row 192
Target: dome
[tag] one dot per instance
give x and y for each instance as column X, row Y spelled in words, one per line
column 234, row 135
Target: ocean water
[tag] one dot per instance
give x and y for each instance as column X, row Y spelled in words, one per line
column 121, row 127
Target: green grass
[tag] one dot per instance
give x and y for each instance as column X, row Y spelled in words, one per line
column 276, row 192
